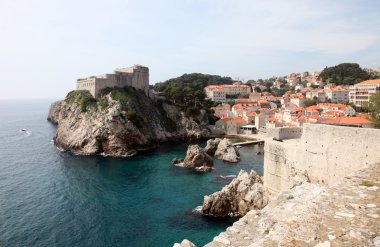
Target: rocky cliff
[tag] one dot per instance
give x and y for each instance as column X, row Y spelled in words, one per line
column 119, row 123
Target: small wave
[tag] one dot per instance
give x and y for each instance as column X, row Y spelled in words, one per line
column 25, row 132
column 197, row 210
column 228, row 176
column 180, row 164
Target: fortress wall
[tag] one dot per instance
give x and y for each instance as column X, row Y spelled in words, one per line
column 87, row 84
column 328, row 153
column 136, row 76
column 140, row 79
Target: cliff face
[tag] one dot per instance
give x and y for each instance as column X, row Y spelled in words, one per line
column 119, row 124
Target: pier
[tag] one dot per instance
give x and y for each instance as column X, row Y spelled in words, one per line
column 248, row 143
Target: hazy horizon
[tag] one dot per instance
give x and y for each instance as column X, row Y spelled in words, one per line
column 47, row 45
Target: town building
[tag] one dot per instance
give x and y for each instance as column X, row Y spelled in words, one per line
column 360, row 93
column 220, row 93
column 216, row 93
column 337, row 94
column 136, row 76
column 320, row 95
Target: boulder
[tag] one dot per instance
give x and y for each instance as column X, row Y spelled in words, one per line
column 227, row 152
column 244, row 193
column 212, row 145
column 184, row 243
column 197, row 157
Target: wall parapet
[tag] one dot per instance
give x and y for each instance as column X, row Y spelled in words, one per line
column 327, row 153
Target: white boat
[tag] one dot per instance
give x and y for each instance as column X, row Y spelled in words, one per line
column 24, row 130
column 238, row 146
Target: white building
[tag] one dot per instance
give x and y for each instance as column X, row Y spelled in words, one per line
column 360, row 93
column 219, row 93
column 337, row 94
column 216, row 94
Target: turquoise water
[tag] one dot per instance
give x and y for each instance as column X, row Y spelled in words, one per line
column 50, row 198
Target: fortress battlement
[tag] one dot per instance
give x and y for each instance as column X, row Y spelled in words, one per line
column 136, row 76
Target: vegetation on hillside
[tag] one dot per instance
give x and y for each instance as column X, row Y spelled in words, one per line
column 136, row 106
column 374, row 109
column 82, row 97
column 344, row 74
column 187, row 91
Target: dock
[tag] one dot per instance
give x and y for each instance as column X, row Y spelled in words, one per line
column 248, row 143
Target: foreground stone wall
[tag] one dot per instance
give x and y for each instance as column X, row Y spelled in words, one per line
column 327, row 154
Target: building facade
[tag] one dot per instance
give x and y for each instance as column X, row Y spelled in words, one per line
column 360, row 93
column 219, row 93
column 337, row 94
column 136, row 76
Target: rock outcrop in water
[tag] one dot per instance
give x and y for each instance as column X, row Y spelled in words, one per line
column 196, row 158
column 119, row 123
column 227, row 152
column 212, row 145
column 184, row 243
column 244, row 193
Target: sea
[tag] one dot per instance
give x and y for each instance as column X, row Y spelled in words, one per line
column 54, row 198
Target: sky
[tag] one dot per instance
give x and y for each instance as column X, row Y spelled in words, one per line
column 45, row 45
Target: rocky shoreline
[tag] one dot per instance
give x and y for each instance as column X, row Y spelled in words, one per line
column 346, row 214
column 121, row 129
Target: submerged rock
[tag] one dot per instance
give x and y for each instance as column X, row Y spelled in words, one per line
column 212, row 145
column 244, row 193
column 227, row 152
column 197, row 157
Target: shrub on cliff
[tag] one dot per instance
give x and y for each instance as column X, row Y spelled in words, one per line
column 81, row 97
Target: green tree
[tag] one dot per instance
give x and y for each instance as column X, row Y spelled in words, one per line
column 344, row 73
column 374, row 109
column 187, row 91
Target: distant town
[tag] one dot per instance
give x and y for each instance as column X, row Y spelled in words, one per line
column 259, row 105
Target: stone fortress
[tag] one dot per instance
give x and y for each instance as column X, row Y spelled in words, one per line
column 136, row 76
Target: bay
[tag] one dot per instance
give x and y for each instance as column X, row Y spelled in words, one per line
column 53, row 198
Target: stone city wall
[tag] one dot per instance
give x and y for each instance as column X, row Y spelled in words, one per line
column 327, row 153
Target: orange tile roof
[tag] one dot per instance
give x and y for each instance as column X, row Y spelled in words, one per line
column 369, row 82
column 243, row 100
column 349, row 120
column 239, row 120
column 226, row 119
column 251, row 114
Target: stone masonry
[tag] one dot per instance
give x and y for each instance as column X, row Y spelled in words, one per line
column 325, row 153
column 346, row 214
column 136, row 76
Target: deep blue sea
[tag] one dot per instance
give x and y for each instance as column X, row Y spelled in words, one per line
column 51, row 198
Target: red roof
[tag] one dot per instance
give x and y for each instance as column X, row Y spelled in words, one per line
column 239, row 120
column 369, row 82
column 348, row 120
